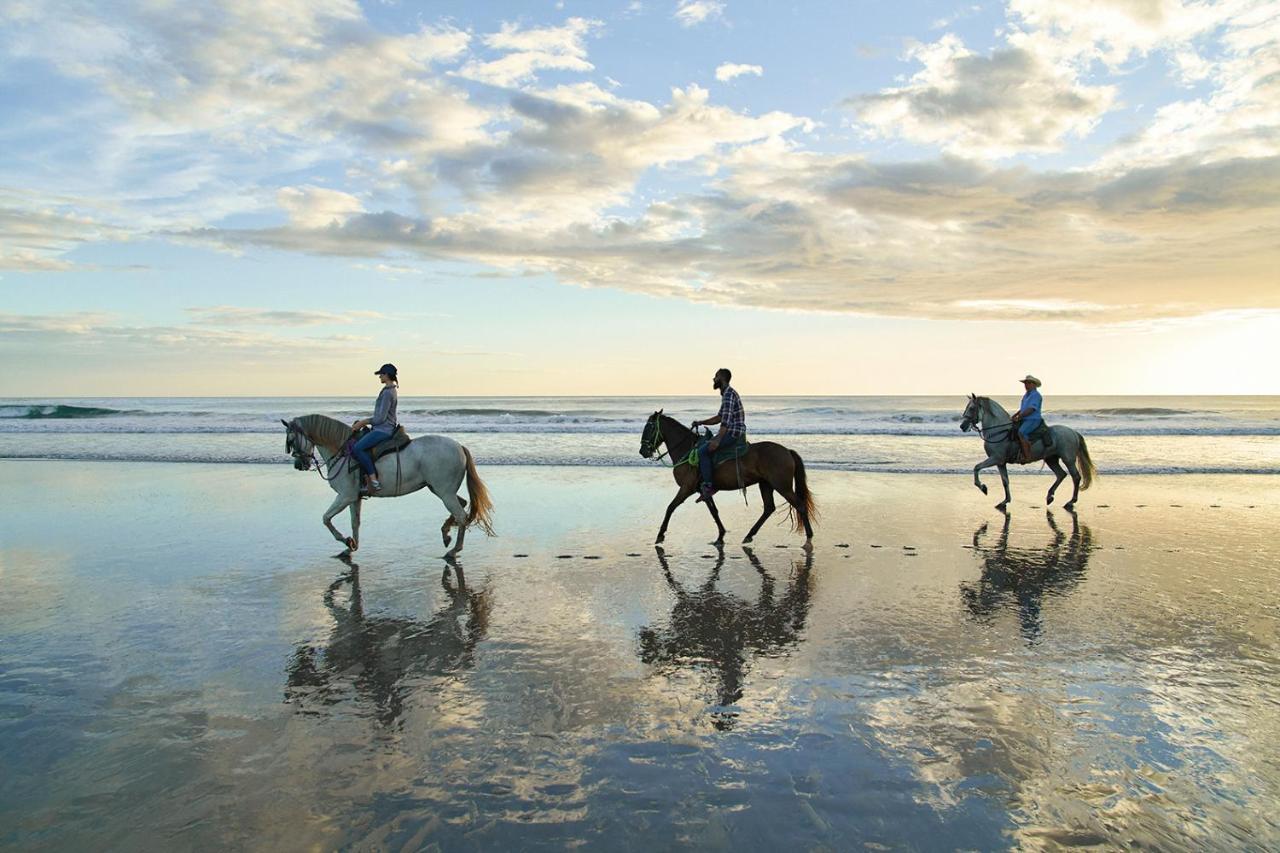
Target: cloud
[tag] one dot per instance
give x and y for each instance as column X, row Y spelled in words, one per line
column 690, row 13
column 528, row 51
column 316, row 207
column 33, row 237
column 228, row 315
column 1007, row 102
column 730, row 70
column 948, row 238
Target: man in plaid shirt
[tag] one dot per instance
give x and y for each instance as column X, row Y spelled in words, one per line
column 733, row 427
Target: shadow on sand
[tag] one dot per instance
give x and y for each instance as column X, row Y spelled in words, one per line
column 718, row 632
column 1021, row 578
column 374, row 660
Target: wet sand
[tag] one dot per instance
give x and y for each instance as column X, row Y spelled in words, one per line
column 183, row 664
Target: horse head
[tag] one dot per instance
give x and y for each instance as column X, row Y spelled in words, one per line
column 972, row 414
column 651, row 438
column 298, row 445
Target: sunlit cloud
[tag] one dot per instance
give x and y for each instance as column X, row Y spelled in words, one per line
column 730, row 70
column 690, row 13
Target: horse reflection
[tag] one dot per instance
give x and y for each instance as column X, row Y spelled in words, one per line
column 1022, row 577
column 717, row 632
column 378, row 657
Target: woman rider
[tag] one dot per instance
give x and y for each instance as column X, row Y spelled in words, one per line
column 382, row 425
column 1028, row 416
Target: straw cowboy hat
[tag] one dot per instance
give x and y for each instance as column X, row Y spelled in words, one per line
column 1032, row 380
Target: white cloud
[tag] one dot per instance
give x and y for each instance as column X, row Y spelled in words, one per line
column 529, row 51
column 317, row 207
column 231, row 315
column 730, row 70
column 1007, row 102
column 690, row 13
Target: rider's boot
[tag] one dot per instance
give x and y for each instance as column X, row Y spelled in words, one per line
column 1026, row 448
column 705, row 492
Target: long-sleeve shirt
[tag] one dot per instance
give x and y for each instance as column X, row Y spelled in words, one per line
column 384, row 411
column 732, row 417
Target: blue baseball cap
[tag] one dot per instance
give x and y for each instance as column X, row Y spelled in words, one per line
column 388, row 368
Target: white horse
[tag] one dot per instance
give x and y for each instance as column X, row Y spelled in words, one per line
column 997, row 430
column 431, row 461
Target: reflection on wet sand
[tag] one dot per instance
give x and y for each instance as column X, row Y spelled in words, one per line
column 714, row 631
column 1021, row 577
column 377, row 657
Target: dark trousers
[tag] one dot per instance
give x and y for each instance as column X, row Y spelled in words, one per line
column 704, row 461
column 705, row 466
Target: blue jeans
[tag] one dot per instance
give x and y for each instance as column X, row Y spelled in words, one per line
column 705, row 456
column 360, row 450
column 1025, row 428
column 704, row 461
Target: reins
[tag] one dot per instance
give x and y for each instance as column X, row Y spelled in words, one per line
column 981, row 431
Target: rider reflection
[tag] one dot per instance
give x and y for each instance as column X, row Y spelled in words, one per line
column 377, row 658
column 1021, row 578
column 718, row 632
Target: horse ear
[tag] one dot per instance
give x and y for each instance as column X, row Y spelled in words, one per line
column 659, row 411
column 286, row 423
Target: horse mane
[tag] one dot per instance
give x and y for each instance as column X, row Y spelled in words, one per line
column 994, row 408
column 324, row 430
column 667, row 419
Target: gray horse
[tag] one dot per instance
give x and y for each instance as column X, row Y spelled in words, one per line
column 996, row 427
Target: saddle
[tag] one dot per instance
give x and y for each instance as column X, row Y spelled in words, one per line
column 730, row 452
column 1041, row 441
column 398, row 441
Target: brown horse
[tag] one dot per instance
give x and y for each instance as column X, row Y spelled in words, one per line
column 772, row 466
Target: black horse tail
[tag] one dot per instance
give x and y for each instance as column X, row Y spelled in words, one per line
column 804, row 497
column 1087, row 471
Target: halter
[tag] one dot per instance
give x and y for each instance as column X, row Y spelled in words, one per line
column 659, row 439
column 981, row 431
column 318, row 461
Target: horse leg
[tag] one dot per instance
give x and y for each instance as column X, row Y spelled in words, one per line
column 340, row 503
column 444, row 530
column 1061, row 475
column 715, row 516
column 1004, row 479
column 459, row 516
column 766, row 495
column 681, row 497
column 354, row 542
column 989, row 462
column 1075, row 482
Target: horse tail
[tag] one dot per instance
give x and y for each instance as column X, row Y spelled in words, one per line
column 803, row 496
column 480, row 509
column 1087, row 471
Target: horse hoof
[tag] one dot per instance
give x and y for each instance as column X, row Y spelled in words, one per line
column 1048, row 501
column 983, row 487
column 746, row 541
column 447, row 540
column 1002, row 505
column 1069, row 506
column 350, row 543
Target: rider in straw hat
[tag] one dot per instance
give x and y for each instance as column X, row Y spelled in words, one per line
column 1028, row 416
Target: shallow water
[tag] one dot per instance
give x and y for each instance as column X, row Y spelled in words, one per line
column 184, row 664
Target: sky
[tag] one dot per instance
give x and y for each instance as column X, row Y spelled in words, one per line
column 275, row 197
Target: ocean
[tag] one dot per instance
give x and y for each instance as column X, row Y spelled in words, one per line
column 1126, row 435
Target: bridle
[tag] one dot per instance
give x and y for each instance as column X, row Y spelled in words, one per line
column 979, row 429
column 312, row 459
column 659, row 439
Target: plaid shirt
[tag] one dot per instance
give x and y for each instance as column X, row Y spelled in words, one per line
column 732, row 418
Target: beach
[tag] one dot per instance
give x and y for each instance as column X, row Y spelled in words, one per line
column 185, row 664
